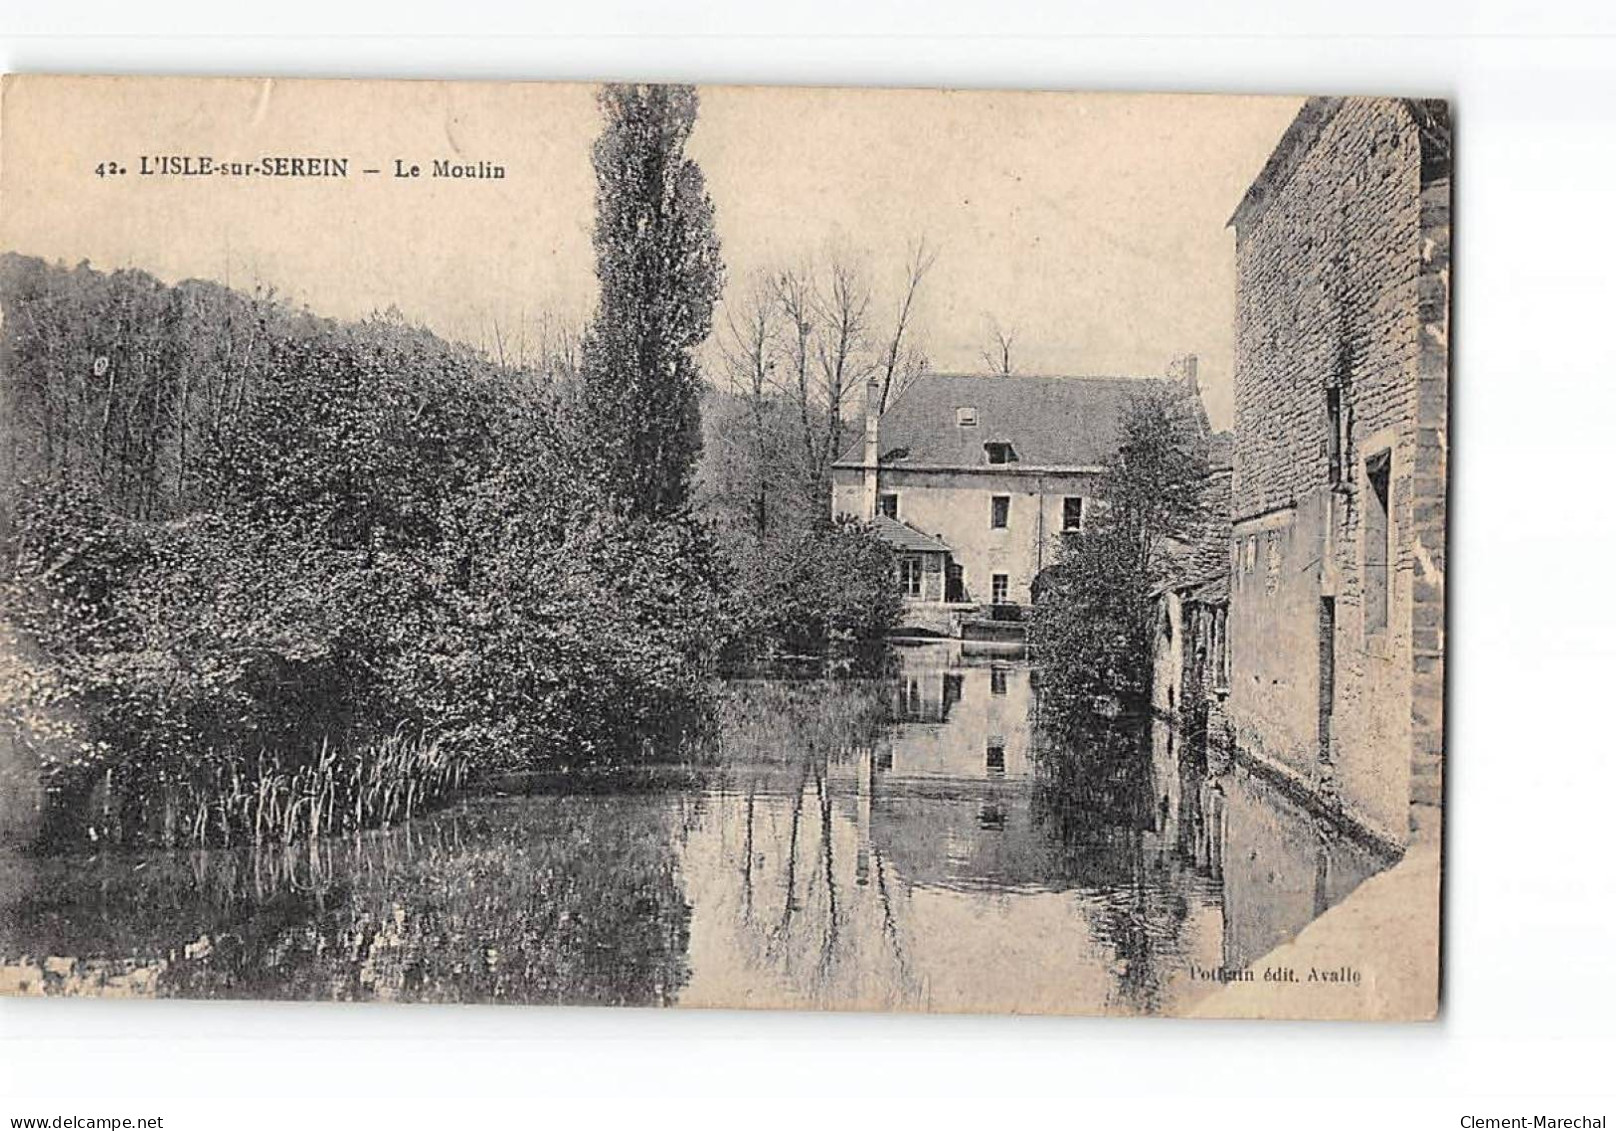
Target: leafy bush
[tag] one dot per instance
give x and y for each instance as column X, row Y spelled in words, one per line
column 382, row 540
column 1094, row 608
column 1087, row 629
column 586, row 650
column 827, row 590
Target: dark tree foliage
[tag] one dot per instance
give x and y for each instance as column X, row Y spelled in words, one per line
column 1094, row 610
column 657, row 258
column 824, row 591
column 748, row 479
column 257, row 547
column 800, row 584
column 117, row 382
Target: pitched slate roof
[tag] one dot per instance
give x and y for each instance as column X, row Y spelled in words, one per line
column 1048, row 421
column 902, row 536
column 1204, row 559
column 1213, row 592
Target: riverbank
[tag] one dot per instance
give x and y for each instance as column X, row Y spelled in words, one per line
column 1377, row 956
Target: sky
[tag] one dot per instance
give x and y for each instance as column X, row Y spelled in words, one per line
column 1090, row 227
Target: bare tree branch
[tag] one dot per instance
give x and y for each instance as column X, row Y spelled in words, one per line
column 748, row 345
column 921, row 258
column 997, row 355
column 793, row 290
column 843, row 310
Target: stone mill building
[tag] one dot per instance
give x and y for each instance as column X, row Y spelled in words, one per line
column 975, row 479
column 1336, row 587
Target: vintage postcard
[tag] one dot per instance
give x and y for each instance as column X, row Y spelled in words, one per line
column 732, row 547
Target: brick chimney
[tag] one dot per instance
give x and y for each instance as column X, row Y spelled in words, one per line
column 1186, row 368
column 872, row 446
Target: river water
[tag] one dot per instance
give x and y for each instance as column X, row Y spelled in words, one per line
column 907, row 843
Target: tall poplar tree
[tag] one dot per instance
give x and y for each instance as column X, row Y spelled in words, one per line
column 657, row 258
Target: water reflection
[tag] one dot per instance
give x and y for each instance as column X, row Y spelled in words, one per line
column 909, row 842
column 942, row 862
column 540, row 900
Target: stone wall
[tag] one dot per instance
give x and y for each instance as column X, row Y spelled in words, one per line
column 1341, row 261
column 1428, row 525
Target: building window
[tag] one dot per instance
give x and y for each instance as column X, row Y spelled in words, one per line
column 910, row 570
column 888, row 505
column 1001, row 588
column 998, row 681
column 965, row 416
column 1332, row 434
column 995, row 757
column 955, row 585
column 1000, row 452
column 1377, row 540
column 1001, row 512
column 1072, row 514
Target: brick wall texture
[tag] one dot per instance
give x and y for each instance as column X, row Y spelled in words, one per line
column 1342, row 267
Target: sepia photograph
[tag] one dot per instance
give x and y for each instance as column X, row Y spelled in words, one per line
column 775, row 548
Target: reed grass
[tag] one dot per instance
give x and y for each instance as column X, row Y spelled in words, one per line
column 273, row 799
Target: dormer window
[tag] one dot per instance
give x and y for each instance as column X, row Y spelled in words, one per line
column 965, row 416
column 999, row 452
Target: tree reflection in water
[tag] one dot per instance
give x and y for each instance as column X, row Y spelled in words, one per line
column 812, row 922
column 565, row 900
column 915, row 842
column 899, row 845
column 1095, row 794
